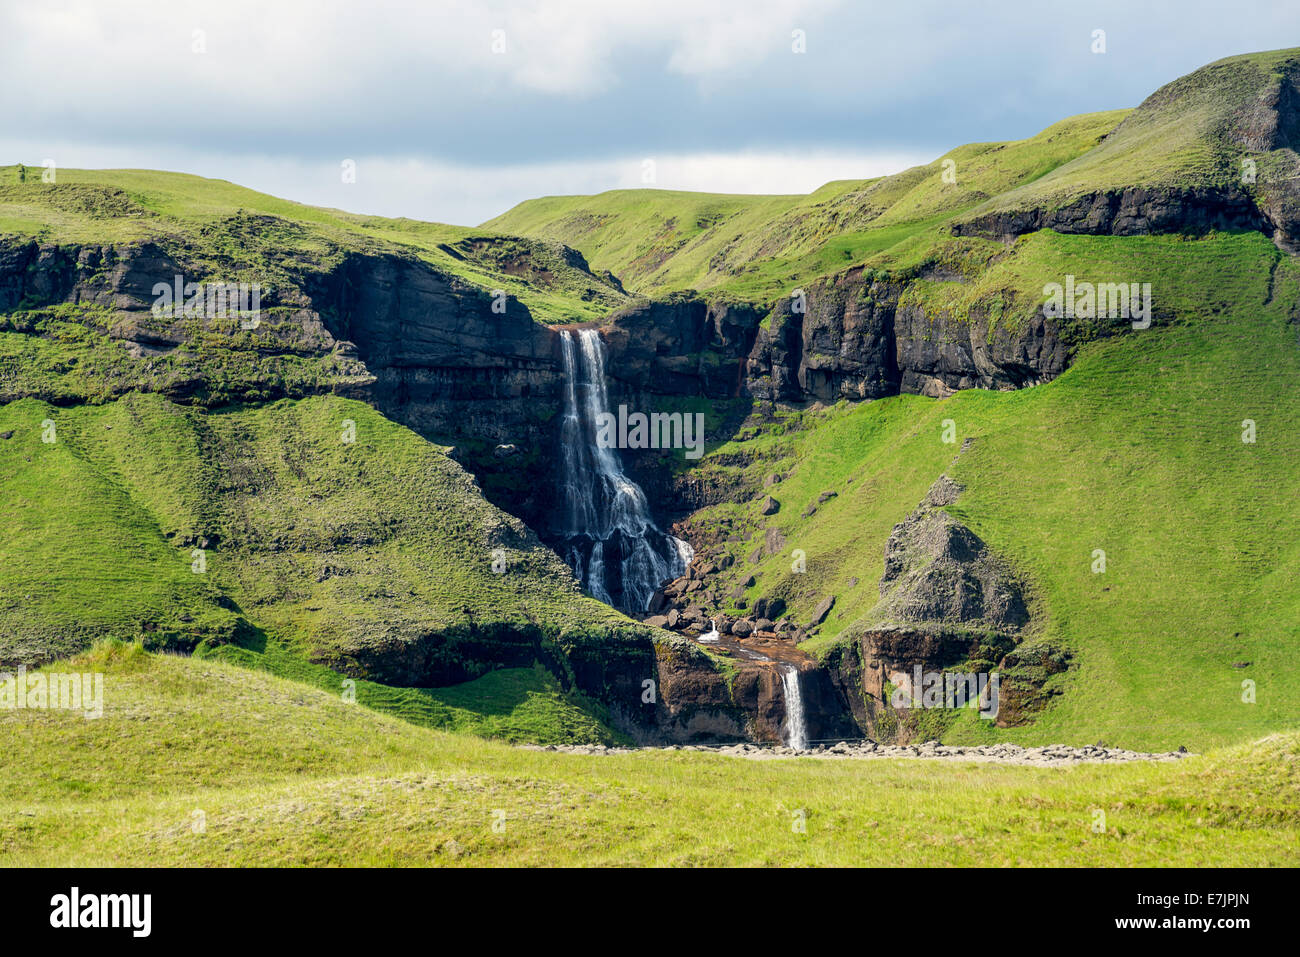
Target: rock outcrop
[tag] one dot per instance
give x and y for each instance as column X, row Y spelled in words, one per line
column 938, row 573
column 948, row 605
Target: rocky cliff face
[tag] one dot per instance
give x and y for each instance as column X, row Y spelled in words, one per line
column 455, row 365
column 682, row 345
column 1136, row 211
column 851, row 337
column 430, row 351
column 858, row 338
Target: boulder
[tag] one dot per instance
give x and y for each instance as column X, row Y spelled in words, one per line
column 822, row 610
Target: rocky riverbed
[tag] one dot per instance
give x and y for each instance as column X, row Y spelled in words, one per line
column 1052, row 755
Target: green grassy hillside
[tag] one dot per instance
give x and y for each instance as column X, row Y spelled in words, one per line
column 1136, row 450
column 658, row 241
column 202, row 764
column 260, row 533
column 1192, row 133
column 240, row 232
column 373, row 557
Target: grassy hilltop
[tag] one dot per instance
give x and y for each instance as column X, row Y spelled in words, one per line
column 759, row 247
column 239, row 231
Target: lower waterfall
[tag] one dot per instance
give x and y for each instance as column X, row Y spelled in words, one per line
column 796, row 732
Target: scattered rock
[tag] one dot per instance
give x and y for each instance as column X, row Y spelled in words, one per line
column 769, row 607
column 822, row 610
column 1055, row 755
column 770, row 506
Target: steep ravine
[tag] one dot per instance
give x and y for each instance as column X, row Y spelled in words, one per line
column 441, row 357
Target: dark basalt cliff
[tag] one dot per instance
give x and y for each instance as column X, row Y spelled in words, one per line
column 855, row 338
column 1137, row 211
column 450, row 363
column 860, row 339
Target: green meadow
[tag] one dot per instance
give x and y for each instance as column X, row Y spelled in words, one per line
column 202, row 764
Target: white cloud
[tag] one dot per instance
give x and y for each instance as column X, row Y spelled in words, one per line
column 446, row 129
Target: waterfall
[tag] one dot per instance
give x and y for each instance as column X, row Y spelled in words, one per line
column 610, row 540
column 796, row 732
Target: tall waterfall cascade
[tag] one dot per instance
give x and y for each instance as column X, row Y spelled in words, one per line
column 610, row 539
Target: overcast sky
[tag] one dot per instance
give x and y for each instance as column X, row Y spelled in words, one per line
column 454, row 111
